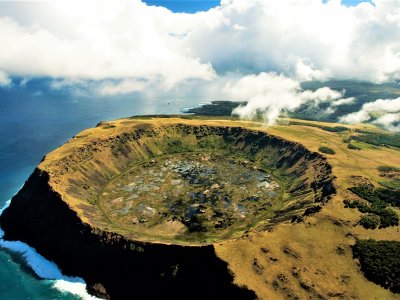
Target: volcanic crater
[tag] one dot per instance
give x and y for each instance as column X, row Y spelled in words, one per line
column 156, row 193
column 191, row 196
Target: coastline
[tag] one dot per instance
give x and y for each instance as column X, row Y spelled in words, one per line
column 44, row 268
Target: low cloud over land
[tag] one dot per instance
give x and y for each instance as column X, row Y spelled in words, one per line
column 271, row 94
column 383, row 112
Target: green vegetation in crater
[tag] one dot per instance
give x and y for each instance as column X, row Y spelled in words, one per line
column 380, row 262
column 326, row 150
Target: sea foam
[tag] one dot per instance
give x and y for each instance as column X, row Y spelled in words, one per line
column 44, row 268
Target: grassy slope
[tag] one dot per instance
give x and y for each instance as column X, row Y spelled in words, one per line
column 301, row 259
column 322, row 271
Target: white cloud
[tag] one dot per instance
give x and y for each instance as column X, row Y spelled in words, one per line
column 345, row 101
column 4, row 79
column 389, row 121
column 385, row 111
column 321, row 95
column 307, row 38
column 272, row 94
column 335, row 104
column 122, row 87
column 307, row 72
column 98, row 40
column 126, row 39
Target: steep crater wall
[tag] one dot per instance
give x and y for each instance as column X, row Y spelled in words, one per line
column 57, row 213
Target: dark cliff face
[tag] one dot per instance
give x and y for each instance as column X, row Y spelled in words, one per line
column 109, row 263
column 119, row 268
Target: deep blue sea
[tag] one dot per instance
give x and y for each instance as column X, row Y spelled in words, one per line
column 34, row 120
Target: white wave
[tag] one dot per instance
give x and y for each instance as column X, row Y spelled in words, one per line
column 76, row 288
column 44, row 268
column 5, row 206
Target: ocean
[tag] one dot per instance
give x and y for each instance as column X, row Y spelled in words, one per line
column 35, row 119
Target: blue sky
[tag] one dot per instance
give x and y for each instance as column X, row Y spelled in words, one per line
column 191, row 6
